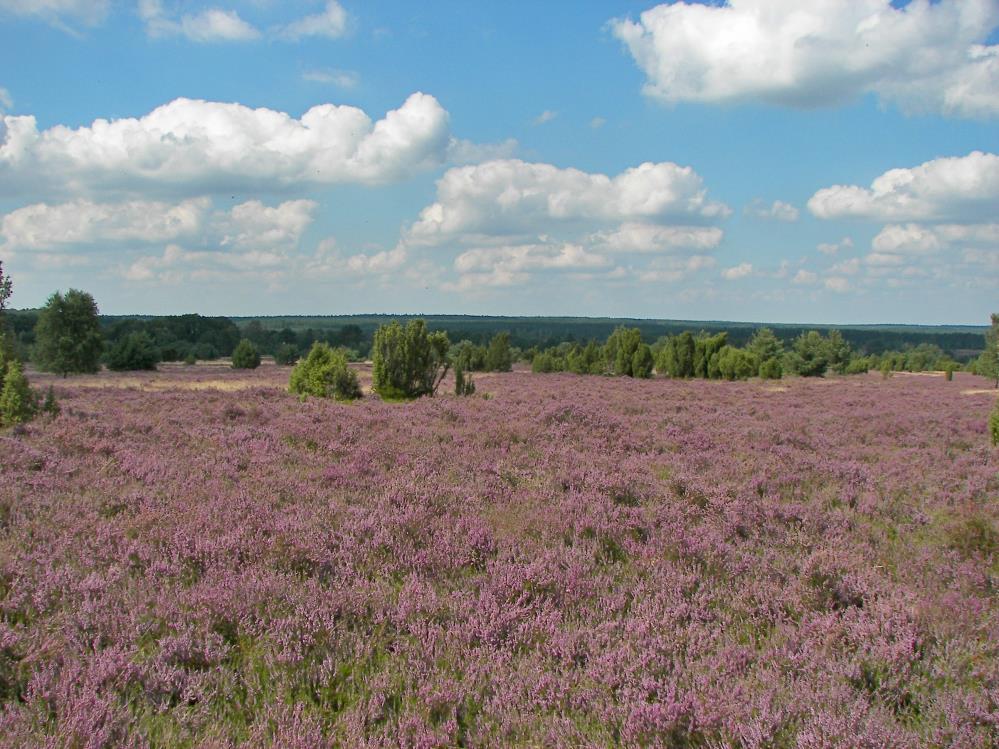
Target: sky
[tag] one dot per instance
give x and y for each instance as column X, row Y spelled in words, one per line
column 834, row 162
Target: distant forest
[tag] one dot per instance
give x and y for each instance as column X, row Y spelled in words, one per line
column 182, row 336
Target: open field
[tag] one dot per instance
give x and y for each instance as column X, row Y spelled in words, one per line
column 193, row 557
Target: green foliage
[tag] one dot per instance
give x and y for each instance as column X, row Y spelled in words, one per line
column 736, row 363
column 17, row 402
column 620, row 350
column 706, row 350
column 676, row 358
column 545, row 362
column 858, row 365
column 949, row 373
column 408, row 362
column 642, row 362
column 771, row 369
column 765, row 345
column 6, row 289
column 68, row 338
column 463, row 386
column 499, row 357
column 988, row 362
column 245, row 355
column 809, row 357
column 588, row 359
column 324, row 373
column 994, row 424
column 190, row 359
column 468, row 356
column 50, row 406
column 135, row 351
column 286, row 354
column 838, row 352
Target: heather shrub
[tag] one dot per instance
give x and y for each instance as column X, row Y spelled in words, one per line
column 408, row 362
column 324, row 373
column 974, row 537
column 245, row 355
column 17, row 402
column 133, row 352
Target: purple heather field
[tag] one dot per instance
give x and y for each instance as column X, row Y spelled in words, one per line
column 195, row 558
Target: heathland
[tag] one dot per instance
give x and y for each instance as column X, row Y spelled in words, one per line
column 195, row 557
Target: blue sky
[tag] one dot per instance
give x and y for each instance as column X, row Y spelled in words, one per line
column 750, row 160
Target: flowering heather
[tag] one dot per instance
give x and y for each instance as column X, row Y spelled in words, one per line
column 572, row 561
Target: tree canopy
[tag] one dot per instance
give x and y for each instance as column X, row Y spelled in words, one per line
column 68, row 337
column 408, row 362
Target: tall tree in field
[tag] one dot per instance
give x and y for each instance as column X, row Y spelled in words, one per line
column 408, row 362
column 68, row 337
column 7, row 353
column 498, row 355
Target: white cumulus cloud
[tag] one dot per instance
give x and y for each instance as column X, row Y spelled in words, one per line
column 332, row 23
column 776, row 211
column 511, row 196
column 654, row 238
column 924, row 56
column 511, row 219
column 59, row 13
column 82, row 226
column 194, row 146
column 737, row 271
column 954, row 188
column 209, row 25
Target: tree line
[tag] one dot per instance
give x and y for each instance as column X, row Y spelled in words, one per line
column 68, row 337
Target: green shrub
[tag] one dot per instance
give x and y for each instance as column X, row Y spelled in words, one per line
column 245, row 355
column 17, row 402
column 994, row 424
column 50, row 406
column 286, row 354
column 771, row 369
column 499, row 358
column 736, row 363
column 190, row 359
column 642, row 362
column 133, row 352
column 324, row 373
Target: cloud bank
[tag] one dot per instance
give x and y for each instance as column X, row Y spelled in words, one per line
column 195, row 147
column 924, row 56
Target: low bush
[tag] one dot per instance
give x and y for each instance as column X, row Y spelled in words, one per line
column 324, row 373
column 245, row 355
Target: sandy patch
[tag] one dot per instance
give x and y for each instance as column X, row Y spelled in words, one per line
column 980, row 391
